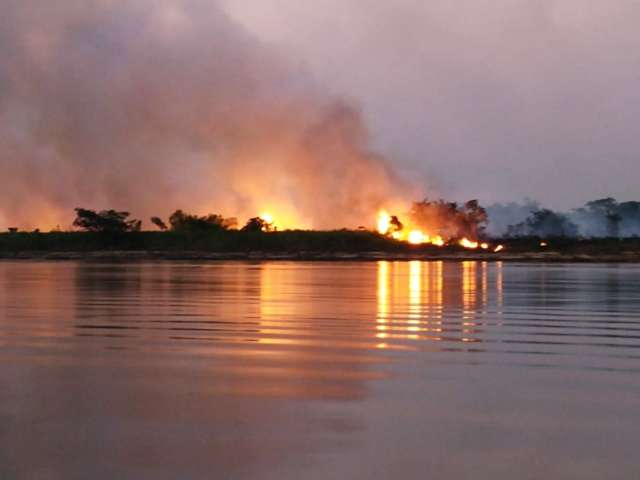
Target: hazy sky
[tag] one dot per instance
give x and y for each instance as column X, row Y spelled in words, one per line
column 499, row 99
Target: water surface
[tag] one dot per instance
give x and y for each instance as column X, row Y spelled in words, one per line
column 285, row 370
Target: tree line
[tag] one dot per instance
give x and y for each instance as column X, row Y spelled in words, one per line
column 113, row 221
column 604, row 217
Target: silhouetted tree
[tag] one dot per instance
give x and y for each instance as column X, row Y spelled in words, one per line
column 449, row 220
column 105, row 221
column 473, row 219
column 630, row 218
column 502, row 215
column 158, row 222
column 184, row 222
column 544, row 223
column 257, row 224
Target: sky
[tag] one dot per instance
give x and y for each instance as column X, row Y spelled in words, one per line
column 496, row 99
column 321, row 111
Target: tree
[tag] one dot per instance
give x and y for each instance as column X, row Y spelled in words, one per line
column 474, row 219
column 185, row 222
column 105, row 221
column 158, row 222
column 449, row 220
column 257, row 224
column 544, row 223
column 630, row 218
column 599, row 218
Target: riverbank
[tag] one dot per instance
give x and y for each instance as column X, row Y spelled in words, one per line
column 296, row 245
column 141, row 256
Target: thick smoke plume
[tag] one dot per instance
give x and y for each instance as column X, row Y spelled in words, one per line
column 154, row 105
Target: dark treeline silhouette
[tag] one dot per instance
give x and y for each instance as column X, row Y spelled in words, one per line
column 257, row 224
column 603, row 218
column 544, row 223
column 450, row 220
column 111, row 221
column 186, row 222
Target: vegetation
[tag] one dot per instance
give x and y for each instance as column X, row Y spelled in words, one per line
column 542, row 231
column 449, row 220
column 109, row 221
column 257, row 224
column 603, row 218
column 544, row 223
column 186, row 222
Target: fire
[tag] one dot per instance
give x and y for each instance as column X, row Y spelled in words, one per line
column 416, row 237
column 391, row 226
column 384, row 222
column 438, row 241
column 466, row 243
column 267, row 217
column 269, row 222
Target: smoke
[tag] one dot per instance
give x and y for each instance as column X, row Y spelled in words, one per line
column 154, row 105
column 503, row 215
column 605, row 217
column 496, row 99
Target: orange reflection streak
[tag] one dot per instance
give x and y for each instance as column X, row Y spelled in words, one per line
column 499, row 286
column 383, row 303
column 469, row 292
column 415, row 291
column 434, row 298
column 485, row 286
column 415, row 298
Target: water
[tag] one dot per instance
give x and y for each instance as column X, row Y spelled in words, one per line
column 288, row 370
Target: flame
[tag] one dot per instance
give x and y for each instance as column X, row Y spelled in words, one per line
column 466, row 243
column 384, row 222
column 269, row 221
column 267, row 217
column 543, row 244
column 416, row 237
column 438, row 241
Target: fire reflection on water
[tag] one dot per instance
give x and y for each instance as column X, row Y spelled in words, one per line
column 435, row 301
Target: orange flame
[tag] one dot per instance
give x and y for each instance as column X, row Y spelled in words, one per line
column 466, row 243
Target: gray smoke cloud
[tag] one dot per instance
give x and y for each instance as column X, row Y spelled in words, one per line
column 495, row 99
column 153, row 105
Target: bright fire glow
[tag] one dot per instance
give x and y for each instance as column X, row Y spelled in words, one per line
column 438, row 241
column 384, row 222
column 466, row 243
column 416, row 237
column 267, row 217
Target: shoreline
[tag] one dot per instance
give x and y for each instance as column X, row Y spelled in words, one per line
column 204, row 256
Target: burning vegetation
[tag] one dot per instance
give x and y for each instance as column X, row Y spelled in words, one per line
column 439, row 223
